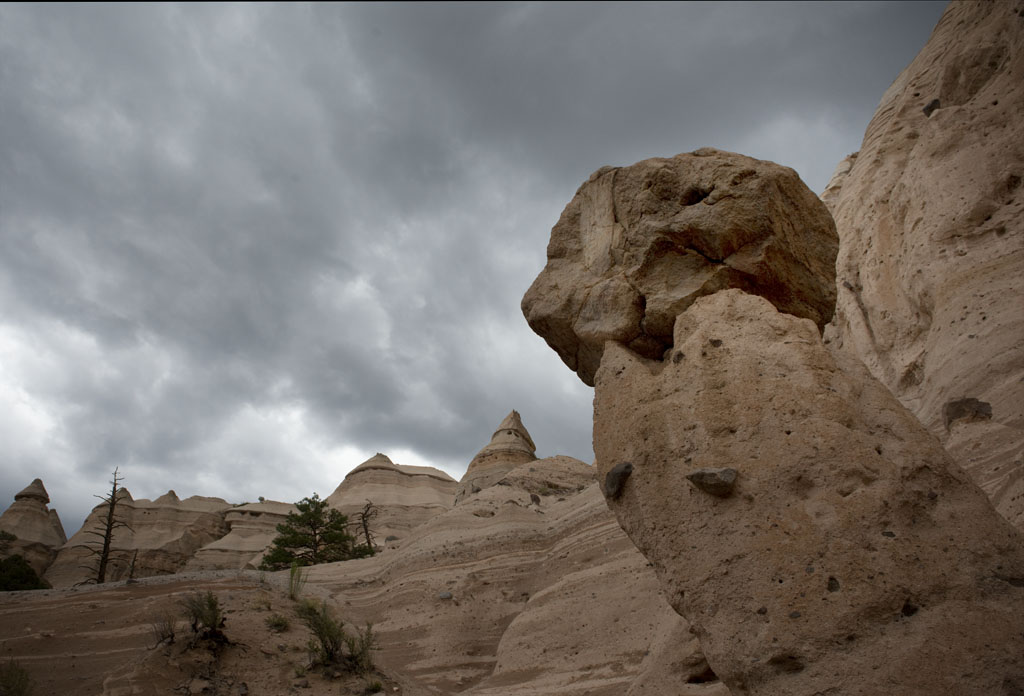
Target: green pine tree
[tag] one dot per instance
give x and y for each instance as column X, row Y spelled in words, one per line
column 314, row 534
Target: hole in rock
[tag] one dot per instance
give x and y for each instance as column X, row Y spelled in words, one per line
column 704, row 677
column 786, row 663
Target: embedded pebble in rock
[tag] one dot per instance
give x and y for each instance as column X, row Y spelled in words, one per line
column 718, row 482
column 637, row 245
column 615, row 479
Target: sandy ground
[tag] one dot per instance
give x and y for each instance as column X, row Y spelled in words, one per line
column 100, row 640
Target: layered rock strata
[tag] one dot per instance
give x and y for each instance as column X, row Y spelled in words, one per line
column 931, row 224
column 637, row 245
column 527, row 587
column 510, row 446
column 404, row 496
column 159, row 538
column 251, row 529
column 38, row 529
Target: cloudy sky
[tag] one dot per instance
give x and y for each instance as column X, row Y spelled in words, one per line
column 242, row 248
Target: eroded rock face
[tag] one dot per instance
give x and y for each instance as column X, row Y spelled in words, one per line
column 161, row 537
column 528, row 587
column 251, row 529
column 405, row 496
column 510, row 446
column 637, row 245
column 931, row 223
column 851, row 553
column 38, row 529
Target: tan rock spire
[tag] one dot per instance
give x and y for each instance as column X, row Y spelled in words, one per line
column 34, row 491
column 37, row 528
column 510, row 446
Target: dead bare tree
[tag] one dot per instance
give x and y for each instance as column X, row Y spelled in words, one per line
column 106, row 530
column 368, row 512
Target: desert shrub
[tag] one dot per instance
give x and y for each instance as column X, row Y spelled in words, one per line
column 17, row 574
column 331, row 645
column 296, row 581
column 327, row 632
column 14, row 679
column 277, row 623
column 360, row 647
column 204, row 614
column 373, row 687
column 164, row 627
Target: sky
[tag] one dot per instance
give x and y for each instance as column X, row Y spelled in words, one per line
column 245, row 247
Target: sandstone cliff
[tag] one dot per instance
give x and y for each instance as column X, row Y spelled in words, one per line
column 38, row 529
column 251, row 528
column 930, row 215
column 160, row 538
column 528, row 586
column 405, row 496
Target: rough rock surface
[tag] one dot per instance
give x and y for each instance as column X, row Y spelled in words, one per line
column 405, row 496
column 251, row 529
column 637, row 245
column 38, row 529
column 161, row 537
column 931, row 224
column 852, row 557
column 526, row 587
column 510, row 446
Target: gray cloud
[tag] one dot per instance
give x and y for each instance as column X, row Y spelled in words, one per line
column 246, row 246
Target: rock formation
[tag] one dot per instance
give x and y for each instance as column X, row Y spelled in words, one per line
column 528, row 586
column 251, row 529
column 637, row 245
column 510, row 446
column 849, row 537
column 38, row 529
column 931, row 222
column 405, row 496
column 161, row 536
column 816, row 536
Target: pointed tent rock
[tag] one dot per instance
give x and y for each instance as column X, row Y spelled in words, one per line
column 510, row 445
column 57, row 526
column 38, row 529
column 377, row 461
column 34, row 491
column 511, row 435
column 170, row 497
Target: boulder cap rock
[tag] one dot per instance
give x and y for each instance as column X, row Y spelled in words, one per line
column 637, row 245
column 35, row 490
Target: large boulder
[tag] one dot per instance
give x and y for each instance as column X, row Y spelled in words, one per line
column 816, row 536
column 930, row 216
column 637, row 245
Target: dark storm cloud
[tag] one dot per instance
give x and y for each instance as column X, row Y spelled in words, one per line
column 245, row 246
